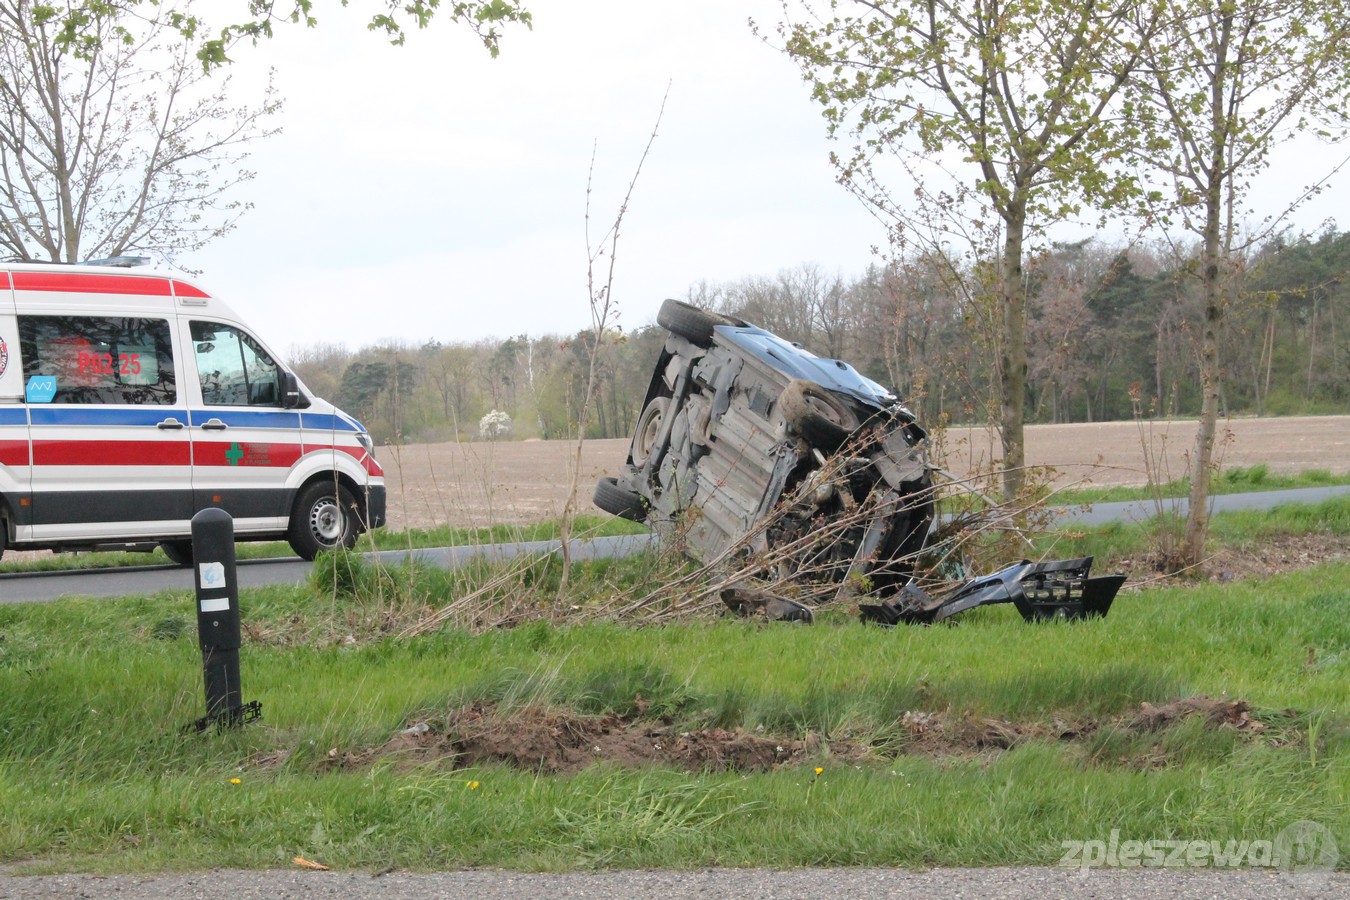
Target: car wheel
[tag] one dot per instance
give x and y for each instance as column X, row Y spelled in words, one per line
column 618, row 500
column 691, row 323
column 816, row 414
column 649, row 429
column 178, row 552
column 324, row 517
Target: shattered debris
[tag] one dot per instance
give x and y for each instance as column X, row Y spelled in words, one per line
column 747, row 602
column 1061, row 589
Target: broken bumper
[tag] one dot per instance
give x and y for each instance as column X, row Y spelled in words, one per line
column 1058, row 589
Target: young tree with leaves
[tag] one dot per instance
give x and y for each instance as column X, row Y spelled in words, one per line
column 257, row 19
column 113, row 138
column 1014, row 97
column 1225, row 83
column 117, row 143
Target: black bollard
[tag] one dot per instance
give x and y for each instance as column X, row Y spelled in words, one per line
column 218, row 620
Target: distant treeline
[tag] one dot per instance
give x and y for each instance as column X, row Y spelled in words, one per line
column 1112, row 333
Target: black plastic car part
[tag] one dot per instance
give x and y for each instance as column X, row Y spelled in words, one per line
column 1055, row 589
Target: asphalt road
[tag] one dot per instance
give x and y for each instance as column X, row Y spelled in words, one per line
column 34, row 587
column 42, row 586
column 1140, row 510
column 854, row 884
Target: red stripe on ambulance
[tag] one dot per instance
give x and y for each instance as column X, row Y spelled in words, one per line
column 245, row 454
column 111, row 453
column 78, row 282
column 13, row 453
column 360, row 455
column 183, row 289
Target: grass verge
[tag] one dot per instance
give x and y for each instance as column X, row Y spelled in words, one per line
column 96, row 773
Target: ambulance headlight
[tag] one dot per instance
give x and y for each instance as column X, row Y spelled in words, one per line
column 364, row 439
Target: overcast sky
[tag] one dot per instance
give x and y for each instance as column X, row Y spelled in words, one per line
column 430, row 191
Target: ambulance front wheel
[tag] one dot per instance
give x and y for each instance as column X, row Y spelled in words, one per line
column 323, row 518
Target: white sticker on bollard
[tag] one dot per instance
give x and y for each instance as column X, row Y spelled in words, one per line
column 211, row 576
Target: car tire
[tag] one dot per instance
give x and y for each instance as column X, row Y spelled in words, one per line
column 618, row 500
column 324, row 517
column 816, row 414
column 691, row 323
column 179, row 552
column 649, row 429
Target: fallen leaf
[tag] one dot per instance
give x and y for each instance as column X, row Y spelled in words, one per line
column 309, row 864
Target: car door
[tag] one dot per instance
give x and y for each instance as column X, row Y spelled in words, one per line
column 244, row 443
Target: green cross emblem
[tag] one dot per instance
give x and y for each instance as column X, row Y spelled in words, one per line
column 234, row 454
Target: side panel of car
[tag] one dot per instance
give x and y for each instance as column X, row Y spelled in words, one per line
column 244, row 444
column 110, row 452
column 14, row 450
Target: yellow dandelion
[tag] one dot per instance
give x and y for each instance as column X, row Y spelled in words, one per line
column 819, row 770
column 235, row 781
column 471, row 785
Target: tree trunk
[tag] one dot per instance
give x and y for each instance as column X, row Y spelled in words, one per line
column 1197, row 517
column 1013, row 352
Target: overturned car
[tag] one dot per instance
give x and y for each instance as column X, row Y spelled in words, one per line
column 765, row 460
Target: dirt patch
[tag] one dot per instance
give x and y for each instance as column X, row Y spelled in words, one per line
column 945, row 734
column 561, row 742
column 1217, row 712
column 1270, row 557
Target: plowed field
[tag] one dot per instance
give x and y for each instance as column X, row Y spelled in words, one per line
column 513, row 482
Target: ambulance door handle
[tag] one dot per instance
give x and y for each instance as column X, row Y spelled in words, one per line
column 170, row 424
column 214, row 425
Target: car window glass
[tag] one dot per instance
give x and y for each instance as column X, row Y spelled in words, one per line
column 92, row 359
column 234, row 369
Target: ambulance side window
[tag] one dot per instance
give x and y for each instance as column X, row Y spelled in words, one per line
column 234, row 369
column 97, row 360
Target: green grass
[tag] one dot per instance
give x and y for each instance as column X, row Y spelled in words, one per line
column 94, row 694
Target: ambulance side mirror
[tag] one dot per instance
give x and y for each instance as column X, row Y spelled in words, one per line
column 290, row 389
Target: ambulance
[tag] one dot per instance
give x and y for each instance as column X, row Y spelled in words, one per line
column 131, row 400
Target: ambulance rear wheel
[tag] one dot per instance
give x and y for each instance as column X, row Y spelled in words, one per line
column 178, row 552
column 324, row 517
